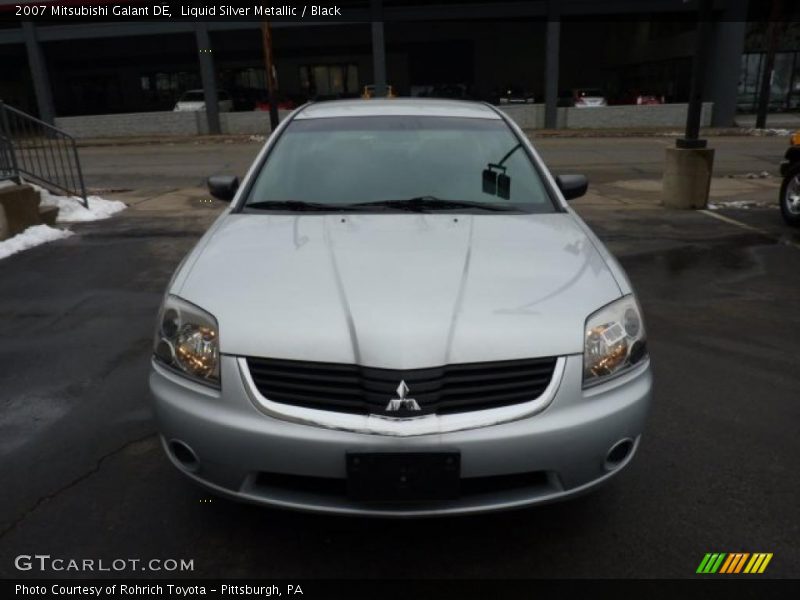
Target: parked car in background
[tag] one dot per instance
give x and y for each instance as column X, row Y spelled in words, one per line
column 194, row 100
column 588, row 97
column 790, row 188
column 369, row 91
column 284, row 103
column 645, row 99
column 457, row 91
column 637, row 97
column 400, row 315
column 247, row 98
column 513, row 94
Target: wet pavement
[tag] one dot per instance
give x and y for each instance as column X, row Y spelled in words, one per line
column 717, row 469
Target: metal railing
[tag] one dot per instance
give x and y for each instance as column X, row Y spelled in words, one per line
column 37, row 151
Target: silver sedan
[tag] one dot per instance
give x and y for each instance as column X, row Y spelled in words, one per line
column 400, row 315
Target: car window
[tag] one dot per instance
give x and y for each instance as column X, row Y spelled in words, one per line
column 370, row 159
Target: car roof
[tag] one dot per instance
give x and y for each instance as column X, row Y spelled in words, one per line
column 418, row 107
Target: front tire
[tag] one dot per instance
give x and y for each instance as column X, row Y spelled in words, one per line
column 790, row 196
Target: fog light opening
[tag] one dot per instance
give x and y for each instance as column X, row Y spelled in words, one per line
column 184, row 455
column 618, row 453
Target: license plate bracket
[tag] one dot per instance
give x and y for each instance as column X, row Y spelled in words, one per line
column 403, row 476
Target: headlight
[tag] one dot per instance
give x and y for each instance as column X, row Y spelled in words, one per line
column 614, row 341
column 187, row 339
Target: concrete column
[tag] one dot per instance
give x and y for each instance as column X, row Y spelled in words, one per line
column 552, row 50
column 727, row 48
column 38, row 66
column 208, row 76
column 378, row 48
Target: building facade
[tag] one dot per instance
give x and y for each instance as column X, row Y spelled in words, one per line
column 538, row 48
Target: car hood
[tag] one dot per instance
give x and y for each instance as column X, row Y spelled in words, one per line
column 399, row 291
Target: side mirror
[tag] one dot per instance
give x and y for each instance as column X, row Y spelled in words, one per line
column 223, row 187
column 572, row 186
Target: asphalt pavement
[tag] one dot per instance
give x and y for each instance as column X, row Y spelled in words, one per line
column 717, row 471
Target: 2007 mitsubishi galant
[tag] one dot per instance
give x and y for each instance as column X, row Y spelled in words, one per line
column 400, row 315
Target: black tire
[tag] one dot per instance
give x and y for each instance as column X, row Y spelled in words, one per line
column 790, row 210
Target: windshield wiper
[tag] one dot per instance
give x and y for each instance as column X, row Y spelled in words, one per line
column 297, row 205
column 423, row 203
column 417, row 204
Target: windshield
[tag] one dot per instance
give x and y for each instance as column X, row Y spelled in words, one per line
column 359, row 160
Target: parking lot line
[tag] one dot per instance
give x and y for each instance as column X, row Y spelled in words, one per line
column 738, row 223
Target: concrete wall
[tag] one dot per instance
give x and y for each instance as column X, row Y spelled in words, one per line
column 531, row 116
column 252, row 122
column 164, row 123
column 615, row 117
column 131, row 124
column 528, row 116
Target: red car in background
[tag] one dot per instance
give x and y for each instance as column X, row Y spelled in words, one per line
column 640, row 98
column 649, row 99
column 283, row 104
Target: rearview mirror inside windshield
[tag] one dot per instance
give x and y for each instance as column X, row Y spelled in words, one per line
column 496, row 184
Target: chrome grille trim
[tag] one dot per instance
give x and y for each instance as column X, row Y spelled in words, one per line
column 401, row 426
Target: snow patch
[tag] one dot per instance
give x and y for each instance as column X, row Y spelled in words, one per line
column 32, row 236
column 751, row 175
column 742, row 204
column 71, row 210
column 768, row 132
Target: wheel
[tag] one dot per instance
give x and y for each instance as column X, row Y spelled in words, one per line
column 790, row 196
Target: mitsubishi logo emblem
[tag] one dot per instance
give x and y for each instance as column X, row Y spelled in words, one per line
column 401, row 403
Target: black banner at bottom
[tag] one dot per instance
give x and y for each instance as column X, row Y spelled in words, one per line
column 406, row 589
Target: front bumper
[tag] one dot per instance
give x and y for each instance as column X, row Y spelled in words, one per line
column 227, row 444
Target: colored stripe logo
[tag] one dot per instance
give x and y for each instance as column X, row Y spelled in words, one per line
column 733, row 563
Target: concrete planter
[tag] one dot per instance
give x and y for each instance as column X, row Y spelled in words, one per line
column 687, row 177
column 19, row 209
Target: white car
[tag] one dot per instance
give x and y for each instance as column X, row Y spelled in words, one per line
column 400, row 315
column 195, row 100
column 588, row 97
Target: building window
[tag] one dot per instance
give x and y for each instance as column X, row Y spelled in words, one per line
column 784, row 88
column 250, row 78
column 329, row 80
column 161, row 90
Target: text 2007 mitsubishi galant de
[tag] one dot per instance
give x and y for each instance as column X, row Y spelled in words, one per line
column 399, row 315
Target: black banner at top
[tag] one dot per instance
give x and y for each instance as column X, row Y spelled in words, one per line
column 66, row 11
column 353, row 11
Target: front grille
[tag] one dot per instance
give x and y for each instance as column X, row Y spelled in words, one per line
column 366, row 390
